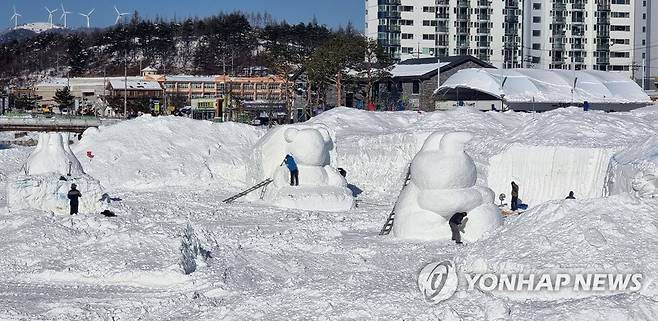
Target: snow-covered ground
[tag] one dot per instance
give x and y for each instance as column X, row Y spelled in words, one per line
column 176, row 251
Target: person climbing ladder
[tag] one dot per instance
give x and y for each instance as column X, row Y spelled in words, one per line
column 292, row 167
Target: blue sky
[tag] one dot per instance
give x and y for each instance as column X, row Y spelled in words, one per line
column 330, row 12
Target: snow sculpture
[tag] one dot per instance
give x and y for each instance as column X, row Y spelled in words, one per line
column 53, row 155
column 321, row 187
column 49, row 172
column 442, row 183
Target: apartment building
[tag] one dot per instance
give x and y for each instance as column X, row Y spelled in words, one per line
column 645, row 36
column 612, row 35
column 487, row 29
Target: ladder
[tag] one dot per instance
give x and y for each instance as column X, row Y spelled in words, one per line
column 391, row 217
column 243, row 193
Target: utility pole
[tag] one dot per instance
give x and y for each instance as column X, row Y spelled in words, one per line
column 644, row 76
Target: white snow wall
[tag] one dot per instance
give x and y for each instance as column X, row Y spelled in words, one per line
column 546, row 173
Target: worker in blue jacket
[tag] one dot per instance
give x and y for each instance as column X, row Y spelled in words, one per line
column 292, row 167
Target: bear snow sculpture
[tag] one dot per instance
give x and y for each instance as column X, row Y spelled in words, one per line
column 442, row 183
column 321, row 187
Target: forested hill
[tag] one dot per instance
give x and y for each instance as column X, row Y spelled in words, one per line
column 228, row 43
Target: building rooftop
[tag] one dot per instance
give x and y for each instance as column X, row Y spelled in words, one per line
column 547, row 86
column 135, row 85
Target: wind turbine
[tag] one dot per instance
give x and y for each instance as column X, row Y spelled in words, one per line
column 88, row 16
column 119, row 15
column 64, row 13
column 50, row 16
column 15, row 18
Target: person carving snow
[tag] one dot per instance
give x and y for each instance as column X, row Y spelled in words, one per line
column 455, row 222
column 515, row 197
column 292, row 167
column 73, row 195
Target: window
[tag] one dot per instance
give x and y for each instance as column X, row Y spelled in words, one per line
column 536, row 46
column 407, row 36
column 429, row 37
column 536, row 33
column 536, row 6
column 621, row 1
column 620, row 54
column 429, row 23
column 536, row 19
column 416, row 87
column 404, row 22
column 616, row 14
column 620, row 28
column 407, row 8
column 429, row 9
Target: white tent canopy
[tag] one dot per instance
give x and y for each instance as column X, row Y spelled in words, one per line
column 547, row 86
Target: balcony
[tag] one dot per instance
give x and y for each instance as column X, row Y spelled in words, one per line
column 484, row 44
column 389, row 2
column 483, row 31
column 463, row 3
column 558, row 45
column 484, row 3
column 388, row 15
column 442, row 2
column 441, row 29
column 393, row 29
column 578, row 59
column 577, row 46
column 462, row 44
column 442, row 16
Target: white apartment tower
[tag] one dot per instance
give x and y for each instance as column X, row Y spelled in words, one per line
column 489, row 30
column 612, row 35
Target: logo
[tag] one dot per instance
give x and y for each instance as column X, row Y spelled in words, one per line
column 438, row 281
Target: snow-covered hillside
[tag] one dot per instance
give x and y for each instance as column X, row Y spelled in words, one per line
column 175, row 251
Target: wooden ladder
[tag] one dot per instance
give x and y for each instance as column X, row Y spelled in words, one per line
column 391, row 217
column 243, row 193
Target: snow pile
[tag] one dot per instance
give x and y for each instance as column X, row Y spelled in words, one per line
column 614, row 235
column 321, row 187
column 49, row 172
column 160, row 152
column 635, row 170
column 443, row 179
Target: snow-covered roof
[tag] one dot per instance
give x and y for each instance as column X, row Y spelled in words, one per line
column 135, row 85
column 400, row 70
column 81, row 81
column 149, row 69
column 189, row 78
column 548, row 86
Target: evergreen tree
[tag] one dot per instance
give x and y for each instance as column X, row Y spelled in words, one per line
column 77, row 55
column 63, row 98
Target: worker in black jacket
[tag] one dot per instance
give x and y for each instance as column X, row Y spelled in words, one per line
column 454, row 222
column 73, row 195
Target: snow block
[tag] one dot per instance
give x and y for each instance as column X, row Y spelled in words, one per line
column 49, row 193
column 321, row 187
column 443, row 179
